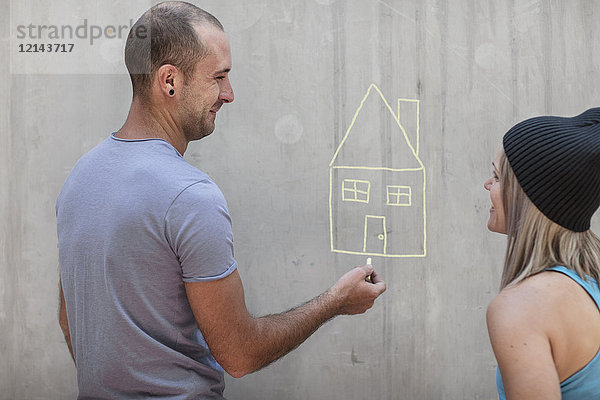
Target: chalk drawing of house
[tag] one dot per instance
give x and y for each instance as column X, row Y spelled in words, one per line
column 378, row 182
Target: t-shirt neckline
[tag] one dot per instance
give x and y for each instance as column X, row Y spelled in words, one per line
column 118, row 139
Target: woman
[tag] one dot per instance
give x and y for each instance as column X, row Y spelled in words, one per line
column 544, row 324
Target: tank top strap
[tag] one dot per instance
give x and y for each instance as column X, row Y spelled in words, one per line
column 589, row 284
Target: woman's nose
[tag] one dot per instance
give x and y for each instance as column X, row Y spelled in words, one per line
column 487, row 184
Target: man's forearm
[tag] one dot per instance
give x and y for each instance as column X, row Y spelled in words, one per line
column 279, row 334
column 243, row 344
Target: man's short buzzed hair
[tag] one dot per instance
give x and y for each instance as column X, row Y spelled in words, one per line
column 165, row 34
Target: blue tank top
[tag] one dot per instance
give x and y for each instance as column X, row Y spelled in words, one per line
column 585, row 383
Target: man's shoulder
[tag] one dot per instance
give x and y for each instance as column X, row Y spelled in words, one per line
column 153, row 171
column 202, row 193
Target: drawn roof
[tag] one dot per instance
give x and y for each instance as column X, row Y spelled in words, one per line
column 376, row 138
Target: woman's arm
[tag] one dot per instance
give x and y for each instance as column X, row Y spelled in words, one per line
column 517, row 324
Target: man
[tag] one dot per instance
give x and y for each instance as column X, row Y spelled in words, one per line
column 152, row 304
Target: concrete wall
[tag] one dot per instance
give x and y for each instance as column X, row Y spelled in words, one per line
column 301, row 70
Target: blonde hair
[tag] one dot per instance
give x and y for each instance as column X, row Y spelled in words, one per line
column 535, row 242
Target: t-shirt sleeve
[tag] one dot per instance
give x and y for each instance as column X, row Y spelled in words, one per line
column 198, row 228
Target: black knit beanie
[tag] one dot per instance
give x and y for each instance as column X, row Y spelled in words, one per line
column 557, row 163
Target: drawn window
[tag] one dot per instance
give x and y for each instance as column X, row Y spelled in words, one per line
column 399, row 196
column 355, row 190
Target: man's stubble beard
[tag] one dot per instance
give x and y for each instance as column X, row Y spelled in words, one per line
column 195, row 128
column 196, row 125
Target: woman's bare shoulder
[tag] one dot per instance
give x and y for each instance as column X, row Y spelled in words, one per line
column 532, row 301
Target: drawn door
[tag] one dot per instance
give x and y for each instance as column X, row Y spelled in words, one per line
column 375, row 241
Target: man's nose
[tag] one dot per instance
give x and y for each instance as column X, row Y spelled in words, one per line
column 226, row 95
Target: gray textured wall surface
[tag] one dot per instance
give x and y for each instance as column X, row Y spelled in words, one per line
column 300, row 72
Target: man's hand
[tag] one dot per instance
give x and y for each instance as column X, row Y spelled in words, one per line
column 353, row 294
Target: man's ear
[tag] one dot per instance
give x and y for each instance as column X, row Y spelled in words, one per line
column 169, row 80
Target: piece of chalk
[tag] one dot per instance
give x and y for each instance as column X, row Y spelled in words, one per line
column 369, row 261
column 368, row 278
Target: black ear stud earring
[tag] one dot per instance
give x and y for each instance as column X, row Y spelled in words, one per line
column 172, row 92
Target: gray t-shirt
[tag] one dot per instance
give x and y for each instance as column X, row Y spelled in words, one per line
column 135, row 221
